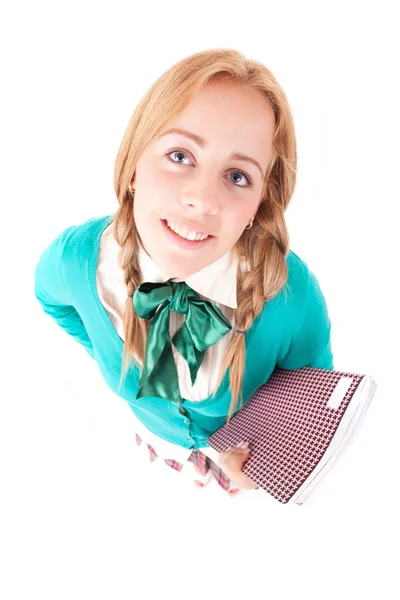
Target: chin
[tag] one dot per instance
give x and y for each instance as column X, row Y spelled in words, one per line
column 180, row 270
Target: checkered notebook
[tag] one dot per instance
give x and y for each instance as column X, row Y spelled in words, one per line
column 297, row 424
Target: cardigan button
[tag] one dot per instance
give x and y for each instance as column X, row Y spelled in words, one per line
column 182, row 410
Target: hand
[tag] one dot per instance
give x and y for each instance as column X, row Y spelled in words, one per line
column 231, row 462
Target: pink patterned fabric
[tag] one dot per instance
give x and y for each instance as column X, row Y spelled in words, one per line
column 288, row 426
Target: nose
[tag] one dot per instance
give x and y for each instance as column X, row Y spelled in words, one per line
column 202, row 197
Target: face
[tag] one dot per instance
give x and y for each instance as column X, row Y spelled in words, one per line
column 203, row 185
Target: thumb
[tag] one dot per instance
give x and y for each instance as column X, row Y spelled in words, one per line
column 233, row 459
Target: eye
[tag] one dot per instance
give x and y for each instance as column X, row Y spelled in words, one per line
column 249, row 181
column 181, row 153
column 177, row 152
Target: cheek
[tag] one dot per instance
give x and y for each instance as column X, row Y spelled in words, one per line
column 156, row 186
column 237, row 219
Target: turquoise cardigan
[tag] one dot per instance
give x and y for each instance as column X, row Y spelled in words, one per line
column 291, row 332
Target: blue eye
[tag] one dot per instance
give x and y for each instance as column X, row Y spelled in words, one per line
column 182, row 153
column 176, row 152
column 249, row 183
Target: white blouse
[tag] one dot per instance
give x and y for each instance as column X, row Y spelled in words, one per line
column 216, row 282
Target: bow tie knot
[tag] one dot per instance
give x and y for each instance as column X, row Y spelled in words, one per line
column 180, row 298
column 204, row 326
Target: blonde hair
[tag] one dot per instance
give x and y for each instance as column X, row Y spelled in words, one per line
column 264, row 246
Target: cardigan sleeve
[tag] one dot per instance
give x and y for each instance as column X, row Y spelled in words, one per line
column 312, row 346
column 52, row 290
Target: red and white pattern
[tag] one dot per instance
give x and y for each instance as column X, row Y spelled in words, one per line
column 202, row 464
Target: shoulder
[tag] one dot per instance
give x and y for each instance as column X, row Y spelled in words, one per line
column 72, row 251
column 296, row 317
column 307, row 320
column 295, row 289
column 300, row 289
column 301, row 277
column 77, row 242
column 83, row 235
column 290, row 301
column 298, row 269
column 307, row 301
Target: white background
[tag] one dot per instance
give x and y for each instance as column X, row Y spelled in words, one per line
column 82, row 516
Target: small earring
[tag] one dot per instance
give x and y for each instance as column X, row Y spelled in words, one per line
column 251, row 224
column 131, row 190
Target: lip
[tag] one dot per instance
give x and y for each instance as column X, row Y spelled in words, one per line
column 182, row 242
column 190, row 226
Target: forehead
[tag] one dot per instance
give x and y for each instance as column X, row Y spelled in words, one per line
column 229, row 115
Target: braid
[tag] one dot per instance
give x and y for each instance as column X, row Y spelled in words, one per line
column 135, row 328
column 265, row 276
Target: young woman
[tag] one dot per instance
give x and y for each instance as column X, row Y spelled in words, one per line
column 188, row 296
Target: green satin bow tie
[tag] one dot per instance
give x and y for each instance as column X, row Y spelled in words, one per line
column 204, row 325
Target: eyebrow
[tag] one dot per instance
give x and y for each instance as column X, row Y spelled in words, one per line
column 202, row 143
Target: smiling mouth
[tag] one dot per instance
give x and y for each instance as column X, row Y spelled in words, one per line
column 183, row 242
column 186, row 233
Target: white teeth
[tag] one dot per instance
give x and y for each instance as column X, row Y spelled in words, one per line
column 185, row 233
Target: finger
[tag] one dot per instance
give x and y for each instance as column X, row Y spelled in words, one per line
column 236, row 452
column 243, row 445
